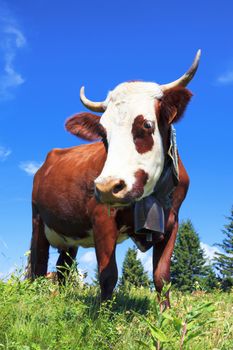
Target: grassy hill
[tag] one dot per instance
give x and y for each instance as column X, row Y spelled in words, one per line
column 39, row 315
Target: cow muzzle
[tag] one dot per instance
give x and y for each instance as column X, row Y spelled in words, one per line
column 112, row 191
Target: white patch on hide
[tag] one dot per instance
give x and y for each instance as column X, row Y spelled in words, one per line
column 60, row 241
column 125, row 103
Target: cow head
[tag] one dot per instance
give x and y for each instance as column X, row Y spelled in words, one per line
column 134, row 127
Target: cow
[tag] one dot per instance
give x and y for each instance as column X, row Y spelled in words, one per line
column 86, row 195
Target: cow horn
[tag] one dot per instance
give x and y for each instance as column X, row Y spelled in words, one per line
column 93, row 106
column 187, row 77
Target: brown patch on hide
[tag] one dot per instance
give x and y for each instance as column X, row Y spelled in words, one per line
column 62, row 195
column 141, row 178
column 86, row 126
column 142, row 136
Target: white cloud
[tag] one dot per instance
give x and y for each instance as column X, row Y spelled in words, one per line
column 11, row 270
column 88, row 258
column 226, row 78
column 7, row 274
column 209, row 251
column 146, row 259
column 20, row 40
column 4, row 153
column 11, row 40
column 148, row 263
column 30, row 167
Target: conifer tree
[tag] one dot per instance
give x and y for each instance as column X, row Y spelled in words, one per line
column 133, row 273
column 95, row 279
column 188, row 262
column 210, row 280
column 224, row 261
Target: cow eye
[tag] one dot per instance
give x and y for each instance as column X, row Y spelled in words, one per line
column 148, row 124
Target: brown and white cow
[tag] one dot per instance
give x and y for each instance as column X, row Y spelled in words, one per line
column 85, row 195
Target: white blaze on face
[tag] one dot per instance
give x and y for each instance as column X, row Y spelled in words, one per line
column 124, row 104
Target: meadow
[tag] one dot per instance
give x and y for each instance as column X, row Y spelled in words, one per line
column 40, row 315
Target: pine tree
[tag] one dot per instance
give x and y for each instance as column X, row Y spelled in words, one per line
column 224, row 261
column 210, row 280
column 133, row 273
column 95, row 279
column 188, row 262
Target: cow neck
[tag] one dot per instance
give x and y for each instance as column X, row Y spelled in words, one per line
column 169, row 177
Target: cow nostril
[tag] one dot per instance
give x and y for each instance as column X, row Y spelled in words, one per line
column 119, row 187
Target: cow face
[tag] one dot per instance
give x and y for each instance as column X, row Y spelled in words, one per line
column 133, row 127
column 135, row 151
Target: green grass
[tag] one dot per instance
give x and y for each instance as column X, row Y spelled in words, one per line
column 39, row 315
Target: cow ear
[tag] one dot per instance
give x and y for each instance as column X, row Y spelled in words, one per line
column 85, row 125
column 174, row 103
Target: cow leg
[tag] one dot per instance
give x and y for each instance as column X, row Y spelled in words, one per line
column 39, row 255
column 64, row 263
column 162, row 252
column 105, row 237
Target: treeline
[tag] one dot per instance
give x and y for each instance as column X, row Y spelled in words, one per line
column 190, row 269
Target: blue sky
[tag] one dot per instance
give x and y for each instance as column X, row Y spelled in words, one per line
column 49, row 49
